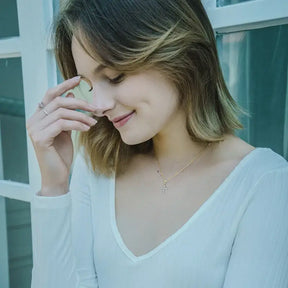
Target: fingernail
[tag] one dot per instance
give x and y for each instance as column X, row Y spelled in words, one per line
column 76, row 78
column 69, row 95
column 93, row 107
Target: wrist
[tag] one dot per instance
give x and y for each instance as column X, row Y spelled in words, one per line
column 54, row 190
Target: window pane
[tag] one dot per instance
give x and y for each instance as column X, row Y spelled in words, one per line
column 221, row 3
column 55, row 6
column 12, row 122
column 8, row 19
column 255, row 66
column 19, row 238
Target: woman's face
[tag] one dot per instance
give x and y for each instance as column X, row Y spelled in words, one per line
column 140, row 105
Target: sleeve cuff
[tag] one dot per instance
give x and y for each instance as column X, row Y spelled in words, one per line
column 56, row 202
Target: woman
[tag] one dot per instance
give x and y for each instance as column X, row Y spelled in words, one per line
column 162, row 193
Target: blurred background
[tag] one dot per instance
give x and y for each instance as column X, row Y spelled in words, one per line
column 252, row 41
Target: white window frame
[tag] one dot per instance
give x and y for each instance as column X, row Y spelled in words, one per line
column 34, row 18
column 247, row 15
column 39, row 67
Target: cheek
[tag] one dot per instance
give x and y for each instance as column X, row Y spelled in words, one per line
column 135, row 89
column 133, row 98
column 125, row 95
column 148, row 95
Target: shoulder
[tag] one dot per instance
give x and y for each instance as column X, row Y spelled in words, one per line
column 264, row 169
column 268, row 172
column 274, row 170
column 266, row 161
column 269, row 196
column 258, row 159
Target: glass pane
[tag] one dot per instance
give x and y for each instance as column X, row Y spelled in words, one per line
column 12, row 122
column 221, row 3
column 18, row 243
column 8, row 19
column 55, row 6
column 255, row 66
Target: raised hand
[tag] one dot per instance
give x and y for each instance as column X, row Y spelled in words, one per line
column 50, row 131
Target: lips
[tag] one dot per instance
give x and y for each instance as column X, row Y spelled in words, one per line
column 117, row 119
column 122, row 120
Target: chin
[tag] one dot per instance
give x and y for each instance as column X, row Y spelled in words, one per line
column 133, row 139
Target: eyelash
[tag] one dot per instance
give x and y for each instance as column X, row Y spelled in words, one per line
column 113, row 81
column 117, row 79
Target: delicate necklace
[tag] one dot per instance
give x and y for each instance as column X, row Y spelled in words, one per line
column 165, row 180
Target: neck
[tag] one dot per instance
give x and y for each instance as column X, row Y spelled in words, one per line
column 173, row 148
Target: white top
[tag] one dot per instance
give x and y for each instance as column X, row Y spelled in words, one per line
column 237, row 239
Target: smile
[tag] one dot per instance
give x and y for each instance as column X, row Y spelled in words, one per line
column 122, row 120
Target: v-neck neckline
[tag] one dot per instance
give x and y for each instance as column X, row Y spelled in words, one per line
column 179, row 231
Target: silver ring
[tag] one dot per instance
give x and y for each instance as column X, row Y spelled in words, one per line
column 45, row 111
column 41, row 105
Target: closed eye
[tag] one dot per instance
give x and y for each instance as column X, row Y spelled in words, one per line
column 117, row 79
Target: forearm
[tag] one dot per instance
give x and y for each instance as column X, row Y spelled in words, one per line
column 53, row 262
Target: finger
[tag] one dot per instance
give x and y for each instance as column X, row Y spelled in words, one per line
column 60, row 89
column 40, row 106
column 64, row 102
column 64, row 125
column 45, row 137
column 70, row 103
column 51, row 94
column 70, row 95
column 63, row 113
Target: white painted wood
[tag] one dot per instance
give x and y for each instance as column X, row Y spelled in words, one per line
column 35, row 66
column 39, row 73
column 14, row 190
column 48, row 8
column 247, row 15
column 209, row 3
column 4, row 264
column 10, row 47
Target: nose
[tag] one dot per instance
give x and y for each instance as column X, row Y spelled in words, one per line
column 102, row 99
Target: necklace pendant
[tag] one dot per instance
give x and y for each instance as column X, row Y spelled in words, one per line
column 164, row 187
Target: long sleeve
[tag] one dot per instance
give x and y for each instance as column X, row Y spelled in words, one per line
column 259, row 257
column 63, row 237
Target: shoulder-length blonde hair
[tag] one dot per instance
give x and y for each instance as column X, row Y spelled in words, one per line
column 175, row 37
